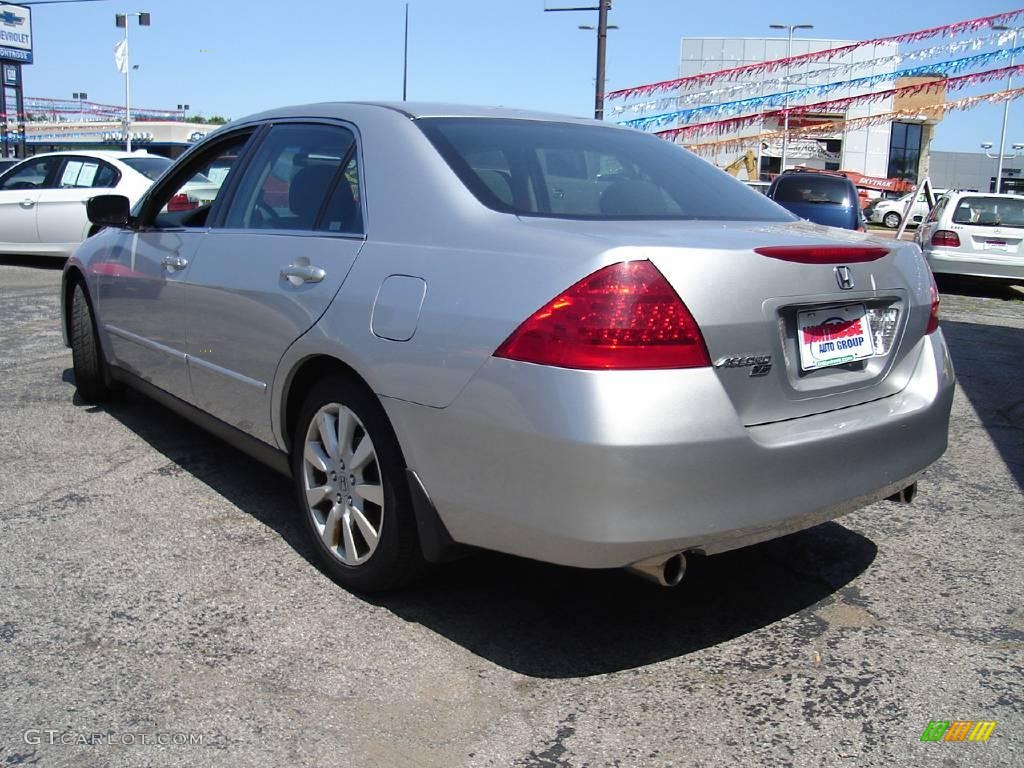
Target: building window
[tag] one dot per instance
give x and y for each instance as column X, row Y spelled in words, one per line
column 905, row 151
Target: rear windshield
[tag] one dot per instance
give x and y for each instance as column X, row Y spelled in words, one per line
column 810, row 188
column 989, row 211
column 561, row 170
column 150, row 167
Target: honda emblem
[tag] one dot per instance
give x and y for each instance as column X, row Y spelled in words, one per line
column 844, row 277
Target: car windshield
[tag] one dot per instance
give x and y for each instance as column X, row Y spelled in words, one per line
column 561, row 170
column 811, row 188
column 150, row 167
column 989, row 212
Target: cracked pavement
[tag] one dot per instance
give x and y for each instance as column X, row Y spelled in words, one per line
column 155, row 581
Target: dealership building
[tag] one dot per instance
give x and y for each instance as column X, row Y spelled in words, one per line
column 163, row 137
column 894, row 149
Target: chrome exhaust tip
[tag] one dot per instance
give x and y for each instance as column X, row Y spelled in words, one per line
column 666, row 571
column 906, row 495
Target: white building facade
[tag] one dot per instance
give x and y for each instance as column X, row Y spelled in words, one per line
column 864, row 150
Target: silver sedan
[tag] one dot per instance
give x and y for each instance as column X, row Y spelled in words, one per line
column 461, row 327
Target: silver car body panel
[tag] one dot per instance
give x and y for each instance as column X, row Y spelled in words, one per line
column 588, row 468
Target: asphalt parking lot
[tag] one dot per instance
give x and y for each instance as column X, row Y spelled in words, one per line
column 154, row 584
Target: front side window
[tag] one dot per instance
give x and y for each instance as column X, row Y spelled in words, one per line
column 32, row 174
column 188, row 195
column 560, row 170
column 302, row 177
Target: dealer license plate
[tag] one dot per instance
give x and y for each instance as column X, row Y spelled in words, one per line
column 833, row 336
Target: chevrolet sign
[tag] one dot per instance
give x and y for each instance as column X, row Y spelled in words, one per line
column 15, row 33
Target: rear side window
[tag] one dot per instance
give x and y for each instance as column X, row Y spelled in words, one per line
column 812, row 188
column 84, row 172
column 989, row 211
column 150, row 167
column 300, row 173
column 564, row 170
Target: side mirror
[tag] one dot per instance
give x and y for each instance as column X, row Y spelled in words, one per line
column 109, row 210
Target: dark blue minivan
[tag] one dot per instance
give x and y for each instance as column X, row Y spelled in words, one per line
column 819, row 196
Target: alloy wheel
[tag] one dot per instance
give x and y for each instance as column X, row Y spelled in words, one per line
column 342, row 483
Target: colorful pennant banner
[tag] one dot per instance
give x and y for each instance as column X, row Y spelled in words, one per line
column 718, row 127
column 836, row 71
column 932, row 111
column 947, row 30
column 759, row 103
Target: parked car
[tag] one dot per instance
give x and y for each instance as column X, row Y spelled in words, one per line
column 546, row 336
column 890, row 212
column 42, row 198
column 819, row 196
column 978, row 234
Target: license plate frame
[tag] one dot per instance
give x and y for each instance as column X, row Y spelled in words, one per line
column 832, row 336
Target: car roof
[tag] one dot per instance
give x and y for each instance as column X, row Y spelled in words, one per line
column 415, row 110
column 100, row 154
column 997, row 195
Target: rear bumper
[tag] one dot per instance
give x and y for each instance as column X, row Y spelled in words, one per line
column 601, row 469
column 975, row 264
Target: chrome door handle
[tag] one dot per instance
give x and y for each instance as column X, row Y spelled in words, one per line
column 297, row 274
column 173, row 263
column 27, row 203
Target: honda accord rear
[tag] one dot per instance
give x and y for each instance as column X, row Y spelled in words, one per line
column 545, row 336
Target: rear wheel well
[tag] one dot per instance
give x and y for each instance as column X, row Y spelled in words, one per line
column 302, row 380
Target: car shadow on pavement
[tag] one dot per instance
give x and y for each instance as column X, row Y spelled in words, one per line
column 252, row 487
column 978, row 287
column 37, row 262
column 988, row 361
column 551, row 622
column 537, row 619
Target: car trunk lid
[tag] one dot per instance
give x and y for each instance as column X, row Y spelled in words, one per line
column 756, row 311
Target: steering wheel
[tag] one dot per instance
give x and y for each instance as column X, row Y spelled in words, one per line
column 267, row 215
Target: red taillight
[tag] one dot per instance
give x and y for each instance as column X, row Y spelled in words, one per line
column 946, row 238
column 181, row 202
column 933, row 317
column 624, row 316
column 823, row 254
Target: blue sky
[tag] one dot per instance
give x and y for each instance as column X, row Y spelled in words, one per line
column 232, row 57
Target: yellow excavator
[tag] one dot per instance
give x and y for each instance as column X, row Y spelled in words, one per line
column 749, row 160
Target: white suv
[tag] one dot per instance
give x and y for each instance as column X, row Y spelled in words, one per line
column 975, row 233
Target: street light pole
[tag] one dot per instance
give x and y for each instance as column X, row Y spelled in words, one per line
column 602, row 9
column 121, row 20
column 602, row 42
column 405, row 56
column 789, row 55
column 1006, row 110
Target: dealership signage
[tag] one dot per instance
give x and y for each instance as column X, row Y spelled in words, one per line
column 15, row 33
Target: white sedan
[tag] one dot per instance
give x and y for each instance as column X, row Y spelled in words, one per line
column 42, row 199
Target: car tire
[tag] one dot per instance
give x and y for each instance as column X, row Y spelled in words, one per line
column 86, row 355
column 354, row 497
column 892, row 220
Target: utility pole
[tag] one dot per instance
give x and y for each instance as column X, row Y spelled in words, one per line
column 789, row 55
column 602, row 41
column 405, row 56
